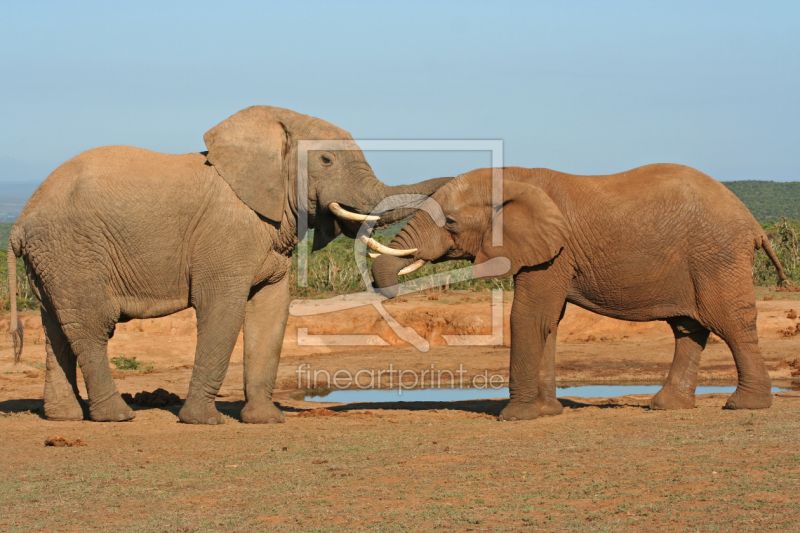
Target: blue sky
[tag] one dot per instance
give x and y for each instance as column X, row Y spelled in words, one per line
column 581, row 87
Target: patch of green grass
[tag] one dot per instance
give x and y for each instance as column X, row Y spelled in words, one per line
column 130, row 363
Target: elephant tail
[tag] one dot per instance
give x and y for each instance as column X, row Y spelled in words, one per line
column 763, row 243
column 15, row 326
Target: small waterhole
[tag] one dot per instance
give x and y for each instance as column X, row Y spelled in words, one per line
column 452, row 395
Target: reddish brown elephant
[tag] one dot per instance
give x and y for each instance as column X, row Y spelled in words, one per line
column 660, row 242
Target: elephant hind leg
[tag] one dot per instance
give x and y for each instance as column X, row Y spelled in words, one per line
column 728, row 309
column 754, row 390
column 105, row 402
column 678, row 390
column 88, row 330
column 61, row 398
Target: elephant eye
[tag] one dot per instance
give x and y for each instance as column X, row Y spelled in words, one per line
column 450, row 221
column 326, row 159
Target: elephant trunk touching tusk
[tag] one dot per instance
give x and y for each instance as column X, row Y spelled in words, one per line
column 378, row 247
column 340, row 212
column 416, row 265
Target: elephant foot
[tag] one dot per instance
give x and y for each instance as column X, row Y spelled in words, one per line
column 262, row 413
column 200, row 412
column 61, row 403
column 665, row 400
column 548, row 406
column 114, row 409
column 518, row 411
column 741, row 399
column 63, row 411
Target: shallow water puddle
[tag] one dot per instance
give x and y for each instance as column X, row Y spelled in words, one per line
column 451, row 395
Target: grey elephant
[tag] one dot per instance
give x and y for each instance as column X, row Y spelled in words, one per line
column 119, row 233
column 660, row 242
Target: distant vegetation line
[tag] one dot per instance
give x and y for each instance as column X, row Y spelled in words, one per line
column 768, row 200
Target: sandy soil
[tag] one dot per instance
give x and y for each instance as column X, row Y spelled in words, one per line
column 607, row 464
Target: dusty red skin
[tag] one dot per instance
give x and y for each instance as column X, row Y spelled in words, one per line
column 660, row 242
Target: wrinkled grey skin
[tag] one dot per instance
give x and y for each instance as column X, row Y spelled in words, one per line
column 661, row 242
column 118, row 233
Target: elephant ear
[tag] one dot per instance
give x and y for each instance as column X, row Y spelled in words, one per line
column 249, row 151
column 534, row 229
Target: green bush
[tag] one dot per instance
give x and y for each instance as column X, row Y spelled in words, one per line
column 783, row 238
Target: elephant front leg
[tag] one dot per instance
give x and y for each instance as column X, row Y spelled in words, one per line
column 219, row 320
column 546, row 402
column 264, row 327
column 527, row 348
column 538, row 301
column 526, row 358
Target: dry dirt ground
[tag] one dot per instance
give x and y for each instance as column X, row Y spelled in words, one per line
column 604, row 465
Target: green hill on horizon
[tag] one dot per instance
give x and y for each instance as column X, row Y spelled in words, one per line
column 768, row 200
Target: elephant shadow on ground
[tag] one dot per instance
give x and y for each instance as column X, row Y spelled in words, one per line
column 22, row 406
column 487, row 407
column 234, row 408
column 35, row 406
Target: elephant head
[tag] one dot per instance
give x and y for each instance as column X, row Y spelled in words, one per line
column 256, row 153
column 534, row 229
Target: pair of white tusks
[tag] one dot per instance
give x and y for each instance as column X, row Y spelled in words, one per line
column 340, row 212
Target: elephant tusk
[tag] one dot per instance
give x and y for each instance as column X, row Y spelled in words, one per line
column 341, row 212
column 416, row 265
column 373, row 256
column 378, row 247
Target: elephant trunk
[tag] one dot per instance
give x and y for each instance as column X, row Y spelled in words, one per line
column 380, row 191
column 421, row 233
column 384, row 272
